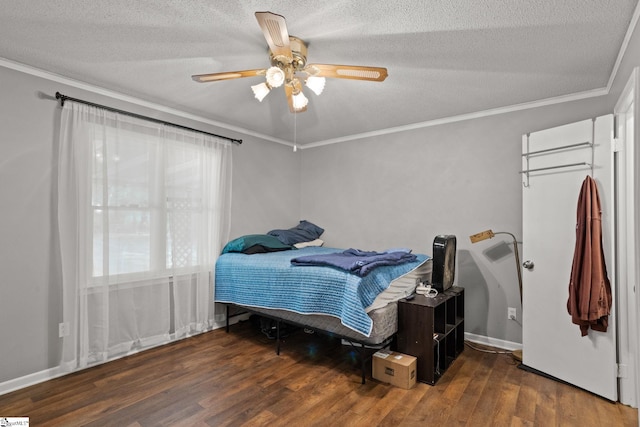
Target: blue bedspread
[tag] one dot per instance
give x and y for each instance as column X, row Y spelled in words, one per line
column 270, row 281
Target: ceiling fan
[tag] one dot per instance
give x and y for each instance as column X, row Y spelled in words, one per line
column 289, row 66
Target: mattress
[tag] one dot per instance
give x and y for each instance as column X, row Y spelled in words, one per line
column 403, row 286
column 270, row 281
column 381, row 313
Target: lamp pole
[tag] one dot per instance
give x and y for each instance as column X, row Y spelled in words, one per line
column 517, row 255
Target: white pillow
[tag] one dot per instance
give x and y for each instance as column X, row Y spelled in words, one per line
column 316, row 242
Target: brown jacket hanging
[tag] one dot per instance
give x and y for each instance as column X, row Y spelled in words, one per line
column 589, row 289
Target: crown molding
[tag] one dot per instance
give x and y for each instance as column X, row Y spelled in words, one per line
column 6, row 63
column 462, row 117
column 625, row 44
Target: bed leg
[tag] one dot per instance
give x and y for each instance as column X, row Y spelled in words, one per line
column 278, row 337
column 362, row 360
column 227, row 316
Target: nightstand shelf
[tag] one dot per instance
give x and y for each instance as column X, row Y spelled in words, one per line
column 432, row 329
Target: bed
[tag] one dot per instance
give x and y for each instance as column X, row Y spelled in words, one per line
column 360, row 309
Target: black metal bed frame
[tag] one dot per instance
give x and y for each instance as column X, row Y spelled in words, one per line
column 359, row 346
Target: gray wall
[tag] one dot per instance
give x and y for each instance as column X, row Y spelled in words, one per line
column 266, row 187
column 404, row 189
column 266, row 195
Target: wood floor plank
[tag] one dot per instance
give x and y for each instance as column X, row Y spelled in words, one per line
column 527, row 396
column 568, row 406
column 248, row 405
column 385, row 406
column 546, row 403
column 264, row 418
column 459, row 382
column 465, row 406
column 313, row 399
column 484, row 411
column 237, row 379
column 405, row 406
column 506, row 405
column 433, row 408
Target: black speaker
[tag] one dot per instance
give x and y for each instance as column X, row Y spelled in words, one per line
column 444, row 262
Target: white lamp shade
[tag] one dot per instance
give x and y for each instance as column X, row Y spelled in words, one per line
column 316, row 84
column 260, row 91
column 275, row 77
column 299, row 101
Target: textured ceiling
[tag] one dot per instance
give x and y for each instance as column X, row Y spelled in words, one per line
column 445, row 58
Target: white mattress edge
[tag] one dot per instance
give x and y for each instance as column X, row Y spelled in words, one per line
column 403, row 286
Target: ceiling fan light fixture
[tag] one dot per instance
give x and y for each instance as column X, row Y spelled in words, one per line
column 275, row 77
column 288, row 55
column 299, row 101
column 260, row 91
column 316, row 84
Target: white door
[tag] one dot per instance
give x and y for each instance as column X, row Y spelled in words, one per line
column 552, row 344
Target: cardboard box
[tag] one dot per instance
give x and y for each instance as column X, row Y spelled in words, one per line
column 395, row 368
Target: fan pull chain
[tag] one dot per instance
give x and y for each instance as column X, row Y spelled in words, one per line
column 295, row 132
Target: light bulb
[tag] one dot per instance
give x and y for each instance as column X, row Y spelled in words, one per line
column 275, row 77
column 316, row 84
column 260, row 91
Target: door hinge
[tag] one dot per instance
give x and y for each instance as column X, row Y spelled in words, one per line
column 616, row 145
column 623, row 371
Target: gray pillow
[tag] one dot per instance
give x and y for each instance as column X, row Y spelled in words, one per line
column 303, row 232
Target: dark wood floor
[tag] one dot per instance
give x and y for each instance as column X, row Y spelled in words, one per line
column 235, row 379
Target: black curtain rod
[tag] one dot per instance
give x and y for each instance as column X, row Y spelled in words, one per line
column 63, row 98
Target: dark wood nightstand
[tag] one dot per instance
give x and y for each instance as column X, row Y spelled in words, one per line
column 432, row 329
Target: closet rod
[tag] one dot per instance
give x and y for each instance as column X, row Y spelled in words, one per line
column 63, row 98
column 556, row 167
column 580, row 144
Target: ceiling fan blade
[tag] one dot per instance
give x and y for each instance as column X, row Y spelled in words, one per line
column 229, row 75
column 355, row 72
column 275, row 32
column 289, row 90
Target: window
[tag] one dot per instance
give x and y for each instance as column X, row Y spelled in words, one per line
column 147, row 204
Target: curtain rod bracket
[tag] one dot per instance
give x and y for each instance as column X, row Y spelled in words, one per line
column 61, row 97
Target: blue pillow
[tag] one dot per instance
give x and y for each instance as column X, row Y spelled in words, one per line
column 303, row 232
column 255, row 243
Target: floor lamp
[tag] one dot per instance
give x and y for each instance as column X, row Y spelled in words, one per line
column 488, row 234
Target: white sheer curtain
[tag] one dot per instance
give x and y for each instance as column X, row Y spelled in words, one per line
column 143, row 212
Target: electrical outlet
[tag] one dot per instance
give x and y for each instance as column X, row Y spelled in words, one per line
column 63, row 329
column 511, row 313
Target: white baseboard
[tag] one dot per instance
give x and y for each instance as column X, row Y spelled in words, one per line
column 51, row 373
column 31, row 379
column 493, row 342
